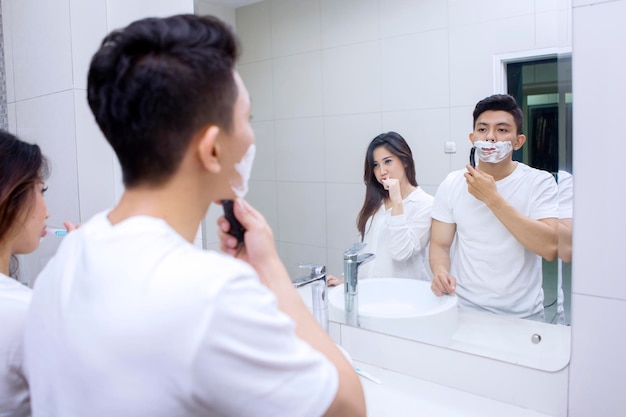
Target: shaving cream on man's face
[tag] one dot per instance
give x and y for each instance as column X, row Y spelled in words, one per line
column 244, row 168
column 493, row 152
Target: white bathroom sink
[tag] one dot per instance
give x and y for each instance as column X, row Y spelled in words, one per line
column 400, row 307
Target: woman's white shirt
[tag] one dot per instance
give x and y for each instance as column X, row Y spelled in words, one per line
column 14, row 301
column 399, row 242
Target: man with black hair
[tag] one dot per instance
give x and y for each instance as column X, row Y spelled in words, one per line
column 492, row 224
column 130, row 318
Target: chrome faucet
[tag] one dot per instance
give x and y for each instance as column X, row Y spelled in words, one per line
column 352, row 260
column 319, row 290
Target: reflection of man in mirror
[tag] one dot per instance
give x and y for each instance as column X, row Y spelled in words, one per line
column 566, row 215
column 504, row 216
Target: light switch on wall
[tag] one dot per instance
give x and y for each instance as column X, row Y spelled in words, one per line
column 450, row 147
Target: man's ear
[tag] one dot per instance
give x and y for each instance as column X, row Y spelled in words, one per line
column 209, row 151
column 471, row 137
column 521, row 139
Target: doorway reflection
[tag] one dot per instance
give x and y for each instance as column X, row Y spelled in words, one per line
column 543, row 88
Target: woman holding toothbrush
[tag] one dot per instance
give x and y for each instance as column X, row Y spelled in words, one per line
column 394, row 221
column 23, row 215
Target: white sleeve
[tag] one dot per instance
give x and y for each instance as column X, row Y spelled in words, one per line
column 410, row 232
column 545, row 203
column 441, row 206
column 566, row 195
column 250, row 362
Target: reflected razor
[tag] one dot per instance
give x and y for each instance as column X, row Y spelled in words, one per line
column 473, row 157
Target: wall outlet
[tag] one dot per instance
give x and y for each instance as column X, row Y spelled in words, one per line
column 450, row 147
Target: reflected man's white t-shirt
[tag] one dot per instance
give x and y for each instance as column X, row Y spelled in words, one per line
column 495, row 272
column 132, row 320
column 399, row 242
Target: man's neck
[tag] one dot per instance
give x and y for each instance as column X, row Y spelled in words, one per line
column 500, row 170
column 178, row 205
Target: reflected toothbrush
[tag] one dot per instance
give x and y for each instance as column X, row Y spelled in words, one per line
column 56, row 231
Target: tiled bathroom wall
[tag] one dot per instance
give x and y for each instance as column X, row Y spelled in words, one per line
column 327, row 76
column 4, row 117
column 47, row 49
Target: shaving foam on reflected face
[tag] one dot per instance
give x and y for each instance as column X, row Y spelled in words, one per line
column 493, row 152
column 244, row 168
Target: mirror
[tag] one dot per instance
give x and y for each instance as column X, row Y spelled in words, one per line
column 326, row 77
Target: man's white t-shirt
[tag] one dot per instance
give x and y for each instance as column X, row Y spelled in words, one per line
column 14, row 301
column 495, row 272
column 399, row 242
column 132, row 320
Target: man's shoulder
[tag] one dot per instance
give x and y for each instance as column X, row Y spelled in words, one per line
column 530, row 171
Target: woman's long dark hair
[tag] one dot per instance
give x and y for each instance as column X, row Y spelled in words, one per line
column 375, row 194
column 22, row 166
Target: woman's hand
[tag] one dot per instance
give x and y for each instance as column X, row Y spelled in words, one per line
column 392, row 185
column 69, row 226
column 333, row 281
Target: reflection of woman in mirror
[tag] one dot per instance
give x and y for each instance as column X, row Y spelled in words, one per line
column 504, row 216
column 395, row 220
column 23, row 215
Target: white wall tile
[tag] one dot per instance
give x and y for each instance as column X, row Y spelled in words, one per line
column 298, row 86
column 580, row 3
column 352, row 79
column 7, row 37
column 426, row 132
column 597, row 75
column 597, row 356
column 122, row 12
column 293, row 255
column 464, row 12
column 349, row 21
column 300, row 152
column 334, row 259
column 88, row 26
column 42, row 48
column 263, row 197
column 260, row 84
column 209, row 226
column 12, row 117
column 401, row 17
column 95, row 162
column 344, row 204
column 49, row 122
column 472, row 49
column 550, row 5
column 347, row 138
column 225, row 13
column 295, row 27
column 301, row 214
column 254, row 27
column 264, row 167
column 552, row 29
column 418, row 74
column 461, row 125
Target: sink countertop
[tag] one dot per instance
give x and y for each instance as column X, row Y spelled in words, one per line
column 404, row 396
